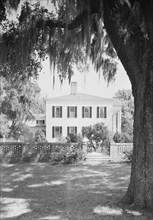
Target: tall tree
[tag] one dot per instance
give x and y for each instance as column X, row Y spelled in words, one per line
column 84, row 23
column 18, row 102
column 127, row 100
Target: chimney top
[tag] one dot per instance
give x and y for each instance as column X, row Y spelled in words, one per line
column 73, row 88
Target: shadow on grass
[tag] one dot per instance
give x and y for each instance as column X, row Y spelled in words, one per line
column 82, row 191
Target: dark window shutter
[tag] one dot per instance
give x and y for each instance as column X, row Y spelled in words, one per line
column 67, row 131
column 90, row 112
column 105, row 112
column 75, row 130
column 75, row 111
column 53, row 111
column 61, row 131
column 97, row 112
column 53, row 135
column 68, row 111
column 82, row 112
column 60, row 111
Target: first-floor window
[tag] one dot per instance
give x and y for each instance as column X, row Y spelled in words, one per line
column 56, row 132
column 40, row 122
column 71, row 130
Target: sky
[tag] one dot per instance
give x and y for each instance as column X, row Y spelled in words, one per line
column 89, row 83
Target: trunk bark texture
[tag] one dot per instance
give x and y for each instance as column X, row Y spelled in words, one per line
column 138, row 65
column 140, row 191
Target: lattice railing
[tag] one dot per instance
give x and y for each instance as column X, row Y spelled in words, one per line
column 16, row 152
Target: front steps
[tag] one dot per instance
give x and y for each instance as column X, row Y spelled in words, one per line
column 97, row 157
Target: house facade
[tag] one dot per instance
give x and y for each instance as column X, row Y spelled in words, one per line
column 70, row 113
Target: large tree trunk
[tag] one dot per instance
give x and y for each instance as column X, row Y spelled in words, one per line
column 140, row 190
column 140, row 72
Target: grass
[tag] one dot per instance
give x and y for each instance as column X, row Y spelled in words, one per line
column 73, row 192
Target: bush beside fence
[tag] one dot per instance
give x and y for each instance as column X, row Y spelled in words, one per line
column 40, row 152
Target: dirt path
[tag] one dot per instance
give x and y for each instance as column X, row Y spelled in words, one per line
column 74, row 192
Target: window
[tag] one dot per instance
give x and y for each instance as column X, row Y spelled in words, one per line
column 86, row 112
column 72, row 112
column 56, row 132
column 57, row 112
column 101, row 112
column 71, row 130
column 40, row 122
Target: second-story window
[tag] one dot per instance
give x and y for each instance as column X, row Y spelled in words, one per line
column 102, row 112
column 72, row 112
column 57, row 111
column 86, row 112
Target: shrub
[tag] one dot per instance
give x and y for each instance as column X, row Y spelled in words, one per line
column 43, row 156
column 122, row 138
column 98, row 135
column 27, row 154
column 40, row 136
column 56, row 158
column 1, row 156
column 128, row 155
column 117, row 138
column 74, row 138
column 12, row 157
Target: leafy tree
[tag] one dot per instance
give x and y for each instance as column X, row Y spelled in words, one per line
column 40, row 136
column 97, row 133
column 102, row 28
column 17, row 103
column 122, row 138
column 40, row 105
column 127, row 100
column 74, row 138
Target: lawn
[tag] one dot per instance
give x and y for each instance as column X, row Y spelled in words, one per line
column 72, row 192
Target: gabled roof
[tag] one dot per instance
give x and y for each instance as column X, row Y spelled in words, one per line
column 80, row 97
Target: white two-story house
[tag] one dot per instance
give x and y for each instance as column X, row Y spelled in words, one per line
column 70, row 113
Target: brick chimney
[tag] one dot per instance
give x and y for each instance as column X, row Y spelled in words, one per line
column 73, row 88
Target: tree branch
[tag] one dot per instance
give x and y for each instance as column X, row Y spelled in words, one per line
column 126, row 51
column 95, row 7
column 71, row 26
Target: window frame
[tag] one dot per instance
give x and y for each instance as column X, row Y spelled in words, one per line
column 68, row 130
column 89, row 112
column 104, row 109
column 54, row 112
column 54, row 131
column 40, row 120
column 69, row 112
